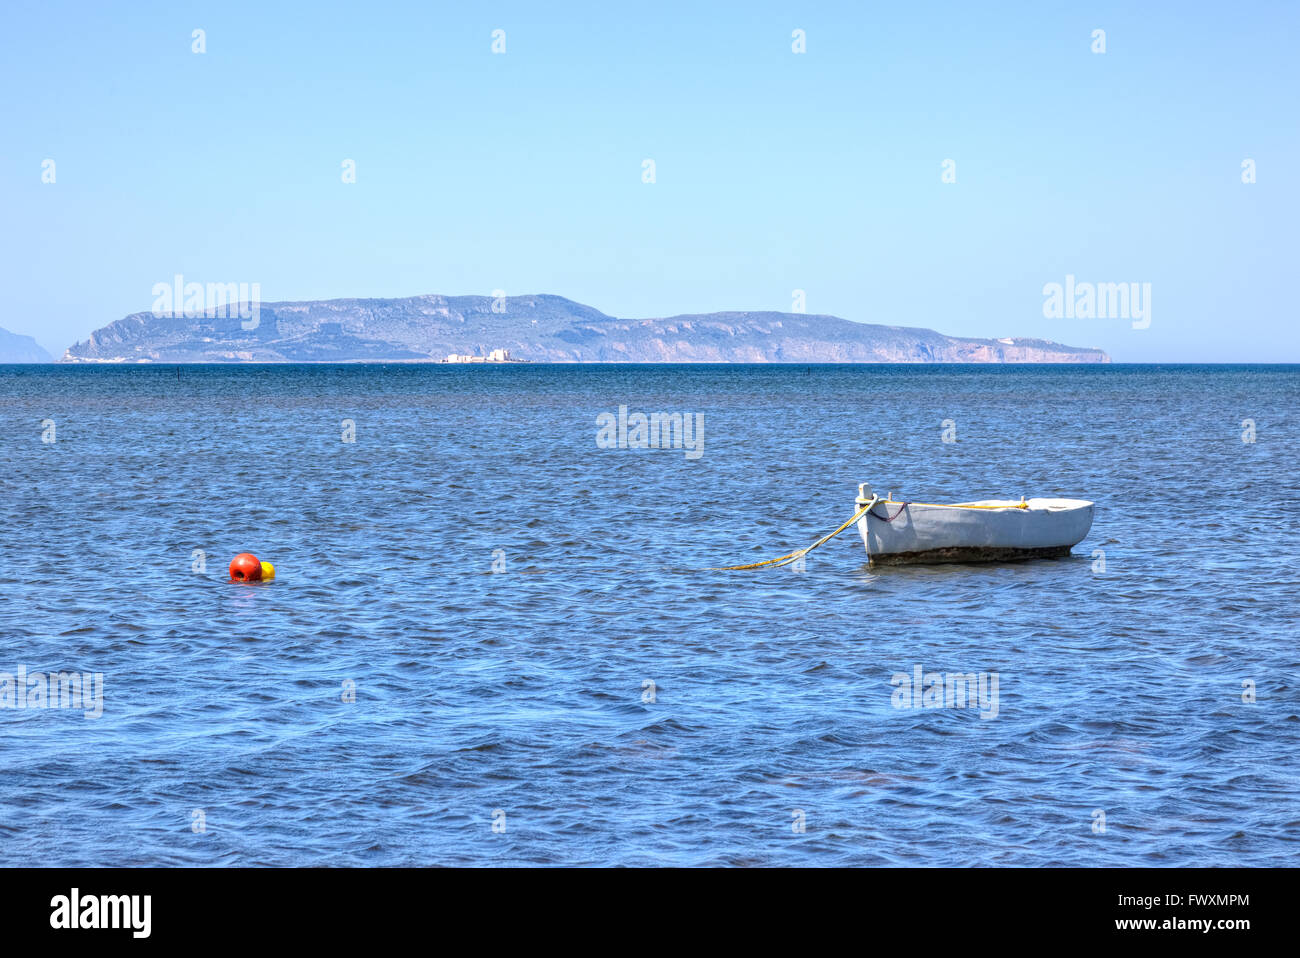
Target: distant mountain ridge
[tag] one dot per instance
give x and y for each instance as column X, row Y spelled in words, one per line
column 540, row 328
column 16, row 348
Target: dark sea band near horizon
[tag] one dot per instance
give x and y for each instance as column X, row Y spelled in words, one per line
column 522, row 697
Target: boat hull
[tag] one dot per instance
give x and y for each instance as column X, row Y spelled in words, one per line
column 987, row 531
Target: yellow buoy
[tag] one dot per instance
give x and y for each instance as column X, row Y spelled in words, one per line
column 268, row 571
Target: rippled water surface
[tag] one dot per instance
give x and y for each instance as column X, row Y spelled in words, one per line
column 522, row 697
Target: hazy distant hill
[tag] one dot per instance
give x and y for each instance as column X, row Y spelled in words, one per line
column 21, row 349
column 537, row 328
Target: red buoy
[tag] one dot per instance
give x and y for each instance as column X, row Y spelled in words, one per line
column 245, row 567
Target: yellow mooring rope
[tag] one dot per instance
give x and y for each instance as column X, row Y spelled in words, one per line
column 800, row 553
column 939, row 505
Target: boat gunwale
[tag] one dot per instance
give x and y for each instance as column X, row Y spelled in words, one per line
column 1022, row 506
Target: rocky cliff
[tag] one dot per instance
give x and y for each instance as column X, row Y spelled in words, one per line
column 21, row 349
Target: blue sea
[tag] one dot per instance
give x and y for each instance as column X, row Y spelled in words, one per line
column 493, row 642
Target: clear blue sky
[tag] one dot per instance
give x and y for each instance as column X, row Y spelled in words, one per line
column 775, row 171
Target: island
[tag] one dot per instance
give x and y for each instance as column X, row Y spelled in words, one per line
column 535, row 328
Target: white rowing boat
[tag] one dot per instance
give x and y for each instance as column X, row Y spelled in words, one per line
column 990, row 530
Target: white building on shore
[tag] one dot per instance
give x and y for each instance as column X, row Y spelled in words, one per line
column 496, row 356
